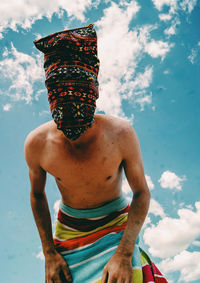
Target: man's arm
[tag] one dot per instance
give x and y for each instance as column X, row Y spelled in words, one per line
column 119, row 267
column 134, row 171
column 54, row 263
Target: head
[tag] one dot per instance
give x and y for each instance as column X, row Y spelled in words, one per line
column 71, row 69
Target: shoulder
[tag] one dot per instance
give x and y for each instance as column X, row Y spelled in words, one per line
column 125, row 137
column 36, row 140
column 118, row 125
column 121, row 131
column 38, row 135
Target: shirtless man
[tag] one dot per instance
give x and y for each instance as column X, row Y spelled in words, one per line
column 88, row 172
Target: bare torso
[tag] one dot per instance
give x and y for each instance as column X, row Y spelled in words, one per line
column 87, row 176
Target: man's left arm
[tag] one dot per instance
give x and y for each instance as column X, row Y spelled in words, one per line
column 119, row 267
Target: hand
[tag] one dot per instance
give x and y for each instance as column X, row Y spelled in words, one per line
column 118, row 270
column 56, row 269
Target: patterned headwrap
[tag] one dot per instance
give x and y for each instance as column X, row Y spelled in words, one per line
column 71, row 69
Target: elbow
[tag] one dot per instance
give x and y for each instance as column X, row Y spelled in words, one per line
column 144, row 195
column 37, row 195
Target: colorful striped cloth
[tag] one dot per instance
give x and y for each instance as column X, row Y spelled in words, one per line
column 87, row 239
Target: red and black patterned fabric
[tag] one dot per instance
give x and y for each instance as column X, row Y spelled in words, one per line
column 71, row 69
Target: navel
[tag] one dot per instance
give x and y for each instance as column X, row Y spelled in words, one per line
column 108, row 177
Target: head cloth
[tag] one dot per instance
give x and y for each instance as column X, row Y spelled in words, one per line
column 71, row 69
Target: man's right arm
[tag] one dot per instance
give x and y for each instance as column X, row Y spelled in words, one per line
column 55, row 265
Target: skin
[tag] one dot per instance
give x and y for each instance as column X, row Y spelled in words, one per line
column 88, row 173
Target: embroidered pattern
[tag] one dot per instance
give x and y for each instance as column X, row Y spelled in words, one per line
column 71, row 69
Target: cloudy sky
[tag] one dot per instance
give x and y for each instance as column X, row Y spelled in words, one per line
column 149, row 52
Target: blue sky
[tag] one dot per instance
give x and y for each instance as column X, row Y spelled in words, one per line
column 149, row 55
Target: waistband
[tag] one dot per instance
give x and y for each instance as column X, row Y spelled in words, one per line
column 114, row 205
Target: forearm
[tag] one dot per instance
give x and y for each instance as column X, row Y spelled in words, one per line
column 136, row 216
column 42, row 217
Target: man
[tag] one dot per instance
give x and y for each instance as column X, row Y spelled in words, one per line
column 86, row 153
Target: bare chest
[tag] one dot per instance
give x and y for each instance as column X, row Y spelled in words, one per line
column 92, row 173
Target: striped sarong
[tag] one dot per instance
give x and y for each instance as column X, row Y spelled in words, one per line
column 87, row 239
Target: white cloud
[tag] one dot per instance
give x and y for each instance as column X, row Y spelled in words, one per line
column 39, row 93
column 188, row 263
column 159, row 4
column 149, row 182
column 142, row 80
column 5, row 52
column 147, row 99
column 158, row 48
column 37, row 35
column 173, row 235
column 169, row 180
column 156, row 209
column 44, row 113
column 174, row 5
column 166, row 72
column 196, row 243
column 21, row 71
column 7, row 107
column 40, row 255
column 119, row 54
column 24, row 13
column 146, row 222
column 133, row 7
column 187, row 206
column 120, row 51
column 188, row 5
column 181, row 204
column 193, row 55
column 125, row 187
column 130, row 119
column 129, row 199
column 155, row 48
column 56, row 206
column 137, row 87
column 170, row 31
column 165, row 17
